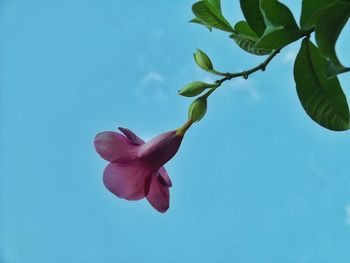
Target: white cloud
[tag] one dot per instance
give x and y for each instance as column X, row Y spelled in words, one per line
column 347, row 211
column 152, row 76
column 290, row 56
column 151, row 87
column 242, row 85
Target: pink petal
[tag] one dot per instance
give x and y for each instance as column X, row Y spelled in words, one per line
column 114, row 147
column 164, row 177
column 130, row 181
column 133, row 138
column 161, row 149
column 158, row 195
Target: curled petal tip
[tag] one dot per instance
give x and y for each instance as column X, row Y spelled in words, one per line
column 164, row 177
column 158, row 196
column 133, row 138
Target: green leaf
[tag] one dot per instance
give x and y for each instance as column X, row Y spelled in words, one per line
column 277, row 14
column 322, row 98
column 246, row 39
column 311, row 10
column 278, row 37
column 281, row 27
column 215, row 3
column 211, row 15
column 253, row 15
column 196, row 20
column 327, row 31
column 244, row 28
column 333, row 70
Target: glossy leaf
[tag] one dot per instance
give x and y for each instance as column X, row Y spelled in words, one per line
column 311, row 10
column 246, row 39
column 276, row 38
column 211, row 15
column 244, row 28
column 196, row 20
column 215, row 3
column 253, row 15
column 327, row 31
column 281, row 27
column 333, row 70
column 322, row 98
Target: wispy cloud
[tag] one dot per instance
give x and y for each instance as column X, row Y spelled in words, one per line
column 347, row 211
column 247, row 86
column 151, row 87
column 152, row 76
column 290, row 56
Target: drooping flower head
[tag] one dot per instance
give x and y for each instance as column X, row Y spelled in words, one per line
column 136, row 168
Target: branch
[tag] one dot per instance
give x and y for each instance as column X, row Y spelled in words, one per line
column 245, row 74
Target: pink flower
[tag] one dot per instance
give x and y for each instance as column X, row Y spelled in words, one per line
column 136, row 168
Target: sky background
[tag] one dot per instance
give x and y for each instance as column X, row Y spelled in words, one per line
column 256, row 181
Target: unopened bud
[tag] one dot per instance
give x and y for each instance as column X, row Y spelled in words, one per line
column 197, row 109
column 195, row 88
column 202, row 60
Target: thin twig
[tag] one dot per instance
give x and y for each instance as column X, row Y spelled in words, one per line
column 245, row 74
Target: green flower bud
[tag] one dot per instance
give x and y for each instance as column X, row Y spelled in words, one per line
column 197, row 109
column 195, row 88
column 202, row 60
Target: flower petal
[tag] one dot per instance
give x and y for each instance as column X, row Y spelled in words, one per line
column 114, row 147
column 158, row 195
column 133, row 138
column 130, row 181
column 164, row 177
column 161, row 149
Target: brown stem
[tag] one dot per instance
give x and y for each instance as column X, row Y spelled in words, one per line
column 246, row 73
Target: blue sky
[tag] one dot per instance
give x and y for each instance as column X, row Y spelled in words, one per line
column 255, row 181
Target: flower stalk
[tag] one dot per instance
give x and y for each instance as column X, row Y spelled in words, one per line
column 182, row 130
